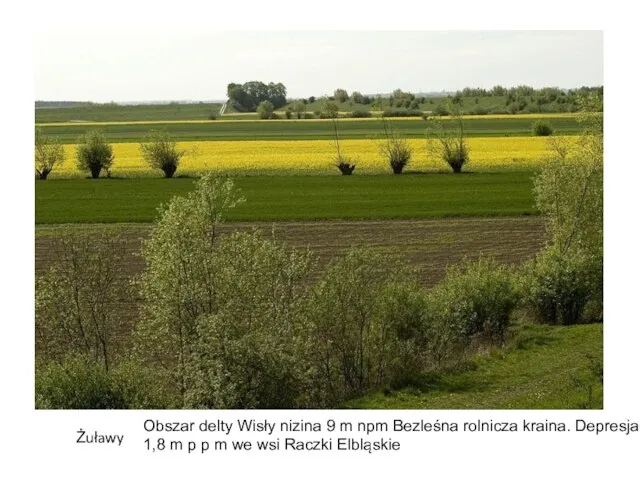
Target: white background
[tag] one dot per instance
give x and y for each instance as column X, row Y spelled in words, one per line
column 41, row 444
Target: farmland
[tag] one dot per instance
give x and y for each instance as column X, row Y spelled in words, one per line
column 251, row 129
column 427, row 218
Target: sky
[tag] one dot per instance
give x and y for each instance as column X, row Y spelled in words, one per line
column 146, row 66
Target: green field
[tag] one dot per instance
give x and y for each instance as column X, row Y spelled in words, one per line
column 127, row 113
column 278, row 198
column 542, row 367
column 306, row 129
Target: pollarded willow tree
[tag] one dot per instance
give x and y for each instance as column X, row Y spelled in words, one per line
column 94, row 153
column 446, row 140
column 395, row 149
column 160, row 151
column 48, row 153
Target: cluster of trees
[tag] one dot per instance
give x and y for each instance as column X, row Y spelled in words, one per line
column 95, row 155
column 238, row 321
column 248, row 96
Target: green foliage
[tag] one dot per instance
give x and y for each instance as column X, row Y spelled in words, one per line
column 566, row 278
column 361, row 114
column 472, row 303
column 93, row 153
column 395, row 149
column 80, row 383
column 358, row 341
column 357, row 97
column 569, row 189
column 248, row 96
column 265, row 110
column 76, row 299
column 220, row 312
column 250, row 351
column 48, row 153
column 329, row 109
column 559, row 286
column 402, row 113
column 341, row 95
column 160, row 150
column 542, row 128
column 447, row 141
column 299, row 108
column 178, row 284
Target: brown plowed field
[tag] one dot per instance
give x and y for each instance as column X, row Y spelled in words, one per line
column 430, row 245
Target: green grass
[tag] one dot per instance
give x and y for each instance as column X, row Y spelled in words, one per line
column 127, row 113
column 279, row 198
column 307, row 129
column 544, row 368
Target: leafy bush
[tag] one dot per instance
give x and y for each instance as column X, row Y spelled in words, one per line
column 221, row 313
column 177, row 286
column 558, row 287
column 361, row 114
column 401, row 113
column 48, row 153
column 160, row 150
column 80, row 383
column 542, row 128
column 441, row 111
column 473, row 302
column 395, row 149
column 359, row 340
column 265, row 110
column 250, row 351
column 93, row 153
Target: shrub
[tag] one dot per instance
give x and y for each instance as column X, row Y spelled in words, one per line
column 361, row 114
column 265, row 110
column 359, row 338
column 94, row 153
column 401, row 113
column 288, row 114
column 472, row 303
column 329, row 109
column 159, row 150
column 48, row 153
column 177, row 286
column 250, row 351
column 76, row 299
column 221, row 314
column 395, row 149
column 80, row 383
column 558, row 287
column 213, row 116
column 441, row 111
column 542, row 128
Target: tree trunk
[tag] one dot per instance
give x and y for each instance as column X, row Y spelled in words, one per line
column 95, row 170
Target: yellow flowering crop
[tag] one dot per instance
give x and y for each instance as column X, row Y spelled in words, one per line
column 315, row 156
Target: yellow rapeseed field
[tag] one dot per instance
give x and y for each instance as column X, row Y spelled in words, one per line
column 315, row 156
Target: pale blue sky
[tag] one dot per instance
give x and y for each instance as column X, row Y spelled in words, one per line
column 146, row 66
